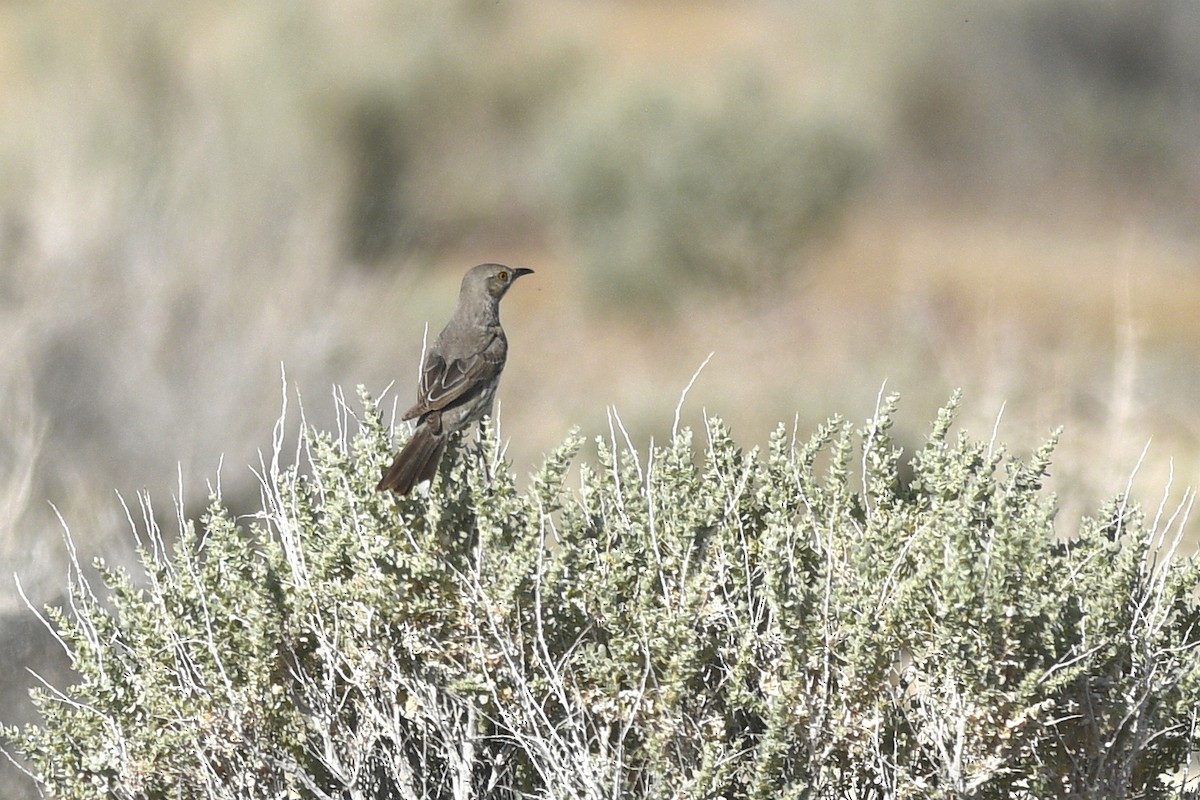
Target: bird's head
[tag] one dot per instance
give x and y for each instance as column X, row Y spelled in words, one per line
column 492, row 279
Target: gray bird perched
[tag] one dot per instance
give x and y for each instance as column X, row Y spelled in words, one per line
column 459, row 377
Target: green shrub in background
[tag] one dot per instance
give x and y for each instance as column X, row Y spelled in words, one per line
column 800, row 622
column 663, row 193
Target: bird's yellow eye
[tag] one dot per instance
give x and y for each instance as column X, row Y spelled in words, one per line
column 502, row 274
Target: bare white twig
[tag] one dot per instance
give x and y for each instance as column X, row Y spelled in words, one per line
column 683, row 395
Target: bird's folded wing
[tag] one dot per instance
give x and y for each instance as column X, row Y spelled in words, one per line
column 445, row 383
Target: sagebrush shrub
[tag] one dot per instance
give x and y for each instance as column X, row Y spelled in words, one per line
column 813, row 621
column 663, row 195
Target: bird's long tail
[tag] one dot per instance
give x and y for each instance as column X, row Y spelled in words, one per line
column 418, row 461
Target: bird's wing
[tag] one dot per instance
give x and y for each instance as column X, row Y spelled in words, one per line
column 444, row 383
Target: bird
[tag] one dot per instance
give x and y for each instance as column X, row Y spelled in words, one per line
column 459, row 376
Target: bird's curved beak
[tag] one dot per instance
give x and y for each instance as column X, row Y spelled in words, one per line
column 519, row 271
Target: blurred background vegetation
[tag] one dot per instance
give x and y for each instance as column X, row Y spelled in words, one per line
column 826, row 195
